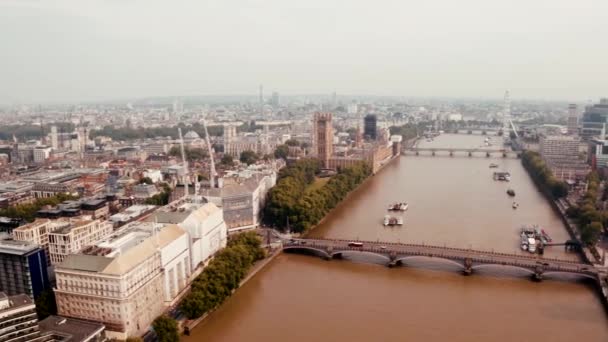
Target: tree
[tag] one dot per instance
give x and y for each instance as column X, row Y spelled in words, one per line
column 146, row 180
column 45, row 304
column 248, row 157
column 165, row 328
column 282, row 151
column 292, row 142
column 227, row 160
column 590, row 233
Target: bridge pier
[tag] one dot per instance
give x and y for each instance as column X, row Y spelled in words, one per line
column 538, row 273
column 392, row 256
column 433, row 153
column 504, row 154
column 470, row 154
column 468, row 266
column 451, row 153
column 417, row 153
column 487, row 154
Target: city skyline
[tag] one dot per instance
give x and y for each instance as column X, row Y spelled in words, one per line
column 66, row 52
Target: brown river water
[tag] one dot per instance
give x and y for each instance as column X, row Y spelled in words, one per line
column 453, row 201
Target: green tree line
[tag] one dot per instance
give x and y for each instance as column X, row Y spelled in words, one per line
column 192, row 154
column 125, row 133
column 25, row 132
column 223, row 275
column 590, row 220
column 542, row 175
column 27, row 211
column 291, row 202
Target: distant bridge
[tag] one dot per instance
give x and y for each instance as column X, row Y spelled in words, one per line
column 466, row 151
column 468, row 260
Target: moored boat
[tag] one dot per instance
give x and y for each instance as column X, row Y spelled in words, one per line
column 392, row 221
column 400, row 206
column 511, row 192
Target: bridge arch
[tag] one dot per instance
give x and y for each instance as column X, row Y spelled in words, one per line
column 400, row 260
column 524, row 269
column 317, row 251
column 358, row 252
column 573, row 274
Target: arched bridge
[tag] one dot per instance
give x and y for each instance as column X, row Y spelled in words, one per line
column 465, row 151
column 467, row 259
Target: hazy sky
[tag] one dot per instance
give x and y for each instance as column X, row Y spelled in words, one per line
column 59, row 50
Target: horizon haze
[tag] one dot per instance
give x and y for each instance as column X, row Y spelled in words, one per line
column 73, row 51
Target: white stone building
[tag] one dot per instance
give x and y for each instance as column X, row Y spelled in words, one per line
column 126, row 281
column 204, row 223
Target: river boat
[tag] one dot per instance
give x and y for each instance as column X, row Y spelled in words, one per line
column 528, row 231
column 524, row 243
column 355, row 244
column 399, row 206
column 515, row 205
column 392, row 221
column 511, row 192
column 493, row 166
column 532, row 245
column 502, row 176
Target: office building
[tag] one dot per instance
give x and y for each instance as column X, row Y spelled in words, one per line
column 561, row 154
column 18, row 320
column 54, row 138
column 370, row 127
column 23, row 268
column 204, row 223
column 38, row 232
column 70, row 239
column 127, row 280
column 572, row 119
column 323, row 137
column 594, row 120
column 41, row 154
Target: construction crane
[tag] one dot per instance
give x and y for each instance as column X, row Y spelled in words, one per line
column 185, row 161
column 212, row 172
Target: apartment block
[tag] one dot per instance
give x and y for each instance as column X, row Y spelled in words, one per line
column 74, row 237
column 18, row 320
column 23, row 268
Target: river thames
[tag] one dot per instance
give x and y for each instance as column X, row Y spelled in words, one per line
column 453, row 201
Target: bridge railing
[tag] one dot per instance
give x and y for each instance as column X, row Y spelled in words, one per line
column 370, row 244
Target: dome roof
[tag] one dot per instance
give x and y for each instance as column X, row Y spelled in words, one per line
column 192, row 135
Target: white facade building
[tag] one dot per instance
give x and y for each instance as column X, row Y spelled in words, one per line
column 155, row 175
column 203, row 222
column 41, row 154
column 119, row 281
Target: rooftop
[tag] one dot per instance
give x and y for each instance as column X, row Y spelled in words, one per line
column 70, row 329
column 123, row 251
column 13, row 302
column 17, row 247
column 179, row 213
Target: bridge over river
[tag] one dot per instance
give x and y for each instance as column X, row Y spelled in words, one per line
column 468, row 259
column 465, row 151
